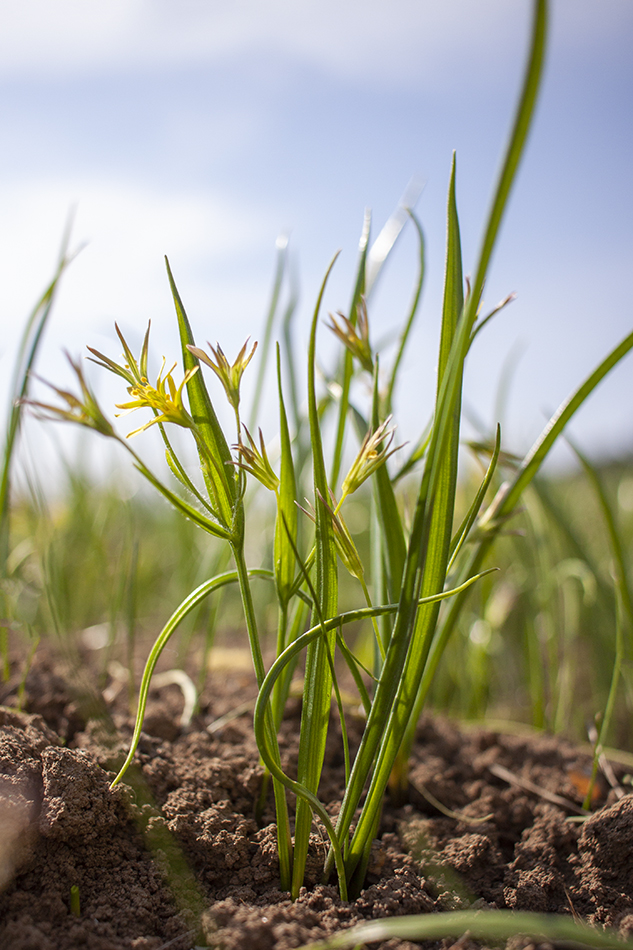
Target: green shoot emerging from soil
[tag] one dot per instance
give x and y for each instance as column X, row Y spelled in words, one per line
column 419, row 578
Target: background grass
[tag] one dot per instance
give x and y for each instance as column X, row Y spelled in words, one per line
column 535, row 643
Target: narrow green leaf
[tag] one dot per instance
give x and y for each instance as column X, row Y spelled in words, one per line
column 182, row 506
column 348, row 360
column 286, row 521
column 392, row 533
column 514, row 149
column 221, row 483
column 282, row 255
column 185, row 608
column 391, row 231
column 508, row 497
column 406, row 332
column 425, row 568
column 27, row 353
column 318, row 681
column 465, row 527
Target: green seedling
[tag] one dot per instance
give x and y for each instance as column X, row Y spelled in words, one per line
column 420, row 572
column 75, row 905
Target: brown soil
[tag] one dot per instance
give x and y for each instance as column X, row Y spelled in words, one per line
column 175, row 858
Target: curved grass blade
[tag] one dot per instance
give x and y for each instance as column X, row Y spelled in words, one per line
column 349, row 616
column 270, row 757
column 179, row 472
column 489, row 926
column 386, row 240
column 213, row 527
column 188, row 604
column 509, row 494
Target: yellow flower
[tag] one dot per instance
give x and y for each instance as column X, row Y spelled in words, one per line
column 164, row 398
column 229, row 375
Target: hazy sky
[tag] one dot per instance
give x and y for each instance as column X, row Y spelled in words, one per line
column 204, row 128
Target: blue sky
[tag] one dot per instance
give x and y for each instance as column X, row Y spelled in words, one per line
column 204, row 129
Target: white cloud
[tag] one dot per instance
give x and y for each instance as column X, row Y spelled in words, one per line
column 121, row 272
column 371, row 40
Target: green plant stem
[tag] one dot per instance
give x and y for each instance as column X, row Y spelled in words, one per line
column 284, row 839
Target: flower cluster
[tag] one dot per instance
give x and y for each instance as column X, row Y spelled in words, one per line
column 230, row 375
column 355, row 338
column 164, row 398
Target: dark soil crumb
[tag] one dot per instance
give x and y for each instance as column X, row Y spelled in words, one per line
column 174, row 857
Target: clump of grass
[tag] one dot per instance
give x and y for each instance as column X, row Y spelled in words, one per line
column 413, row 570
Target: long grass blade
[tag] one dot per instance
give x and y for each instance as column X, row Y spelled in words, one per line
column 406, row 331
column 348, row 360
column 508, row 497
column 286, row 521
column 391, row 716
column 29, row 346
column 222, row 486
column 392, row 532
column 433, row 525
column 282, row 255
column 391, row 231
column 318, row 681
column 487, row 926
